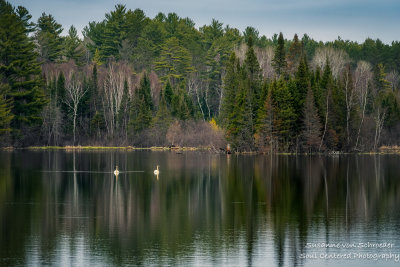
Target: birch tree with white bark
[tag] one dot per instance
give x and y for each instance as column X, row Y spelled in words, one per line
column 337, row 59
column 362, row 78
column 74, row 94
column 350, row 98
column 194, row 89
column 393, row 78
column 113, row 90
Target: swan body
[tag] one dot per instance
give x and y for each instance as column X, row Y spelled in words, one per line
column 156, row 172
column 116, row 172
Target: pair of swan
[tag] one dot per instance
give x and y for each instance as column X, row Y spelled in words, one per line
column 116, row 172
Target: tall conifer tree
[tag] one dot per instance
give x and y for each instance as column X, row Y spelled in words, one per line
column 48, row 37
column 229, row 90
column 20, row 69
column 311, row 134
column 279, row 61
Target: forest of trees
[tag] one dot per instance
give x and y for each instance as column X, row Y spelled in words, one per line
column 140, row 81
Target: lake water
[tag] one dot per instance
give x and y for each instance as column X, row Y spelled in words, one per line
column 68, row 209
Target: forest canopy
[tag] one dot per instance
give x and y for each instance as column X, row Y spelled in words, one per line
column 140, row 81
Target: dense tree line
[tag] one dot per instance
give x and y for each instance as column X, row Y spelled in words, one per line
column 146, row 81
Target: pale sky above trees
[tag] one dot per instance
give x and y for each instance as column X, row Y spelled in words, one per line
column 321, row 19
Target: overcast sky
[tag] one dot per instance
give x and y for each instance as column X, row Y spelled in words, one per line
column 321, row 19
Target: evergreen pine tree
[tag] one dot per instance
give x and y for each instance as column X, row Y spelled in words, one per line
column 240, row 128
column 324, row 104
column 5, row 111
column 175, row 62
column 229, row 90
column 114, row 32
column 97, row 58
column 61, row 93
column 381, row 83
column 265, row 135
column 73, row 46
column 385, row 99
column 299, row 92
column 140, row 110
column 181, row 104
column 279, row 61
column 254, row 75
column 311, row 134
column 20, row 70
column 48, row 37
column 283, row 111
column 161, row 122
column 168, row 93
column 146, row 91
column 295, row 55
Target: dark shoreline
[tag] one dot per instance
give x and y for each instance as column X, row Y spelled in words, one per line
column 384, row 150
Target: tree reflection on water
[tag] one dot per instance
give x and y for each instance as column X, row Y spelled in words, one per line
column 204, row 209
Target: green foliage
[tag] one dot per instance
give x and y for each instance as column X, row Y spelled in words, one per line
column 141, row 106
column 174, row 63
column 250, row 34
column 168, row 93
column 181, row 105
column 254, row 75
column 48, row 36
column 299, row 91
column 230, row 88
column 381, row 83
column 5, row 110
column 295, row 54
column 311, row 134
column 162, row 120
column 60, row 89
column 283, row 110
column 97, row 58
column 136, row 21
column 240, row 128
column 220, row 47
column 191, row 66
column 97, row 124
column 19, row 69
column 279, row 61
column 265, row 132
column 73, row 46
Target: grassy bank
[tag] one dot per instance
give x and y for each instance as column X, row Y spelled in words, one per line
column 125, row 148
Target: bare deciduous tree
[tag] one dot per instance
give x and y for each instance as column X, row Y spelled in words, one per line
column 362, row 78
column 394, row 78
column 264, row 57
column 380, row 116
column 337, row 59
column 350, row 98
column 74, row 94
column 326, row 119
column 192, row 133
column 240, row 52
column 52, row 123
column 173, row 133
column 113, row 89
column 155, row 87
column 194, row 88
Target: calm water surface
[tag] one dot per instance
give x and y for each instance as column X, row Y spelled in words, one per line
column 68, row 209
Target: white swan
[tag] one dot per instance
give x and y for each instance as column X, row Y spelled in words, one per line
column 116, row 172
column 156, row 172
